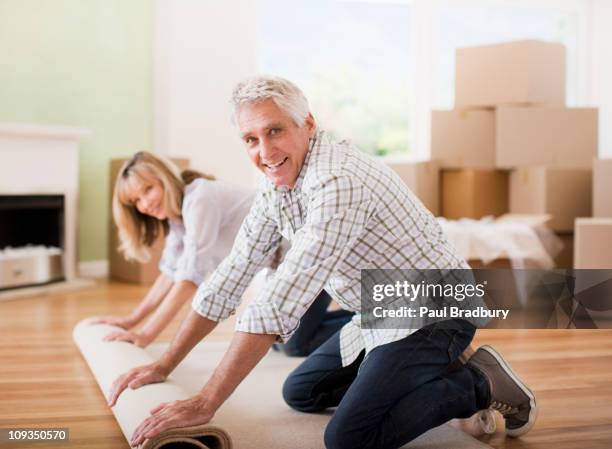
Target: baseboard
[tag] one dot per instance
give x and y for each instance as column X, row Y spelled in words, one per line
column 53, row 288
column 93, row 268
column 99, row 269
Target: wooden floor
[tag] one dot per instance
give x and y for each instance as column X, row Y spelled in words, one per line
column 44, row 382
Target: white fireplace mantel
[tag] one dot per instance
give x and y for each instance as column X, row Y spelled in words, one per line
column 38, row 159
column 44, row 131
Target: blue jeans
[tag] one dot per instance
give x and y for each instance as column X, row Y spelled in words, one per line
column 316, row 327
column 394, row 394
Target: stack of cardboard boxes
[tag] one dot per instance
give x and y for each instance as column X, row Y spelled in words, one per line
column 510, row 144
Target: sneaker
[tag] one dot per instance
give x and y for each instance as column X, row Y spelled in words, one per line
column 509, row 394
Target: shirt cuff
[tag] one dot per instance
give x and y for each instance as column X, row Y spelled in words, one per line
column 196, row 278
column 167, row 270
column 264, row 318
column 211, row 306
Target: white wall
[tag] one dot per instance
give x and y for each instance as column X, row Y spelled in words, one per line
column 602, row 71
column 201, row 49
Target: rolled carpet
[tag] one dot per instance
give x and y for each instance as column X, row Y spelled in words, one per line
column 108, row 360
column 255, row 416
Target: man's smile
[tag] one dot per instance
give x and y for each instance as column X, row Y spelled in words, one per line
column 274, row 167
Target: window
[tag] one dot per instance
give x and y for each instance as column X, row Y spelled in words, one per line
column 374, row 69
column 351, row 58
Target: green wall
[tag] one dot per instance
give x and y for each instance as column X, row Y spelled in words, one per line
column 81, row 63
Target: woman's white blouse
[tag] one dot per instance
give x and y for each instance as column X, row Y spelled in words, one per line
column 212, row 214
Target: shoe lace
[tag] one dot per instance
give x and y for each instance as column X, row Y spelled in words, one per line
column 503, row 408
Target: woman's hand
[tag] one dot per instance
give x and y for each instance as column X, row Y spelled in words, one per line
column 168, row 415
column 139, row 339
column 136, row 378
column 124, row 322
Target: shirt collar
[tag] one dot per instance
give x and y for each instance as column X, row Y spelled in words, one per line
column 300, row 179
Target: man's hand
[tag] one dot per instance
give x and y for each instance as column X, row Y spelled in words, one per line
column 189, row 412
column 124, row 322
column 193, row 329
column 136, row 378
column 245, row 351
column 138, row 338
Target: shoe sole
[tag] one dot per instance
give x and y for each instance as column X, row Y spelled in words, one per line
column 533, row 411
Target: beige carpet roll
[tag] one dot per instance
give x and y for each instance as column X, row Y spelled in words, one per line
column 108, row 360
column 255, row 416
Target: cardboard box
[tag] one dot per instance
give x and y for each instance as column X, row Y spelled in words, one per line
column 498, row 264
column 564, row 193
column 463, row 138
column 423, row 179
column 593, row 252
column 509, row 137
column 470, row 193
column 602, row 188
column 565, row 259
column 559, row 137
column 593, row 244
column 522, row 72
column 119, row 268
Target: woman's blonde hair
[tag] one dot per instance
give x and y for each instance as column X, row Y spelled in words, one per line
column 137, row 231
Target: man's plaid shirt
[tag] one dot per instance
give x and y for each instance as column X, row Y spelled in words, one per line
column 346, row 213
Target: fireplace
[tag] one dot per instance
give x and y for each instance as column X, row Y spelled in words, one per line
column 39, row 186
column 32, row 239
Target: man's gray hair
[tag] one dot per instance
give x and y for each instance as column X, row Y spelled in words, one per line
column 284, row 93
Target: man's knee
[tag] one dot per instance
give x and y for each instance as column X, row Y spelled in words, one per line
column 292, row 349
column 339, row 436
column 297, row 395
column 331, row 438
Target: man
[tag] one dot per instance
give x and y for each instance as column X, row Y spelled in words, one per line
column 342, row 212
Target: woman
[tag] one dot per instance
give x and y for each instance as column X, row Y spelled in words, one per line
column 200, row 217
